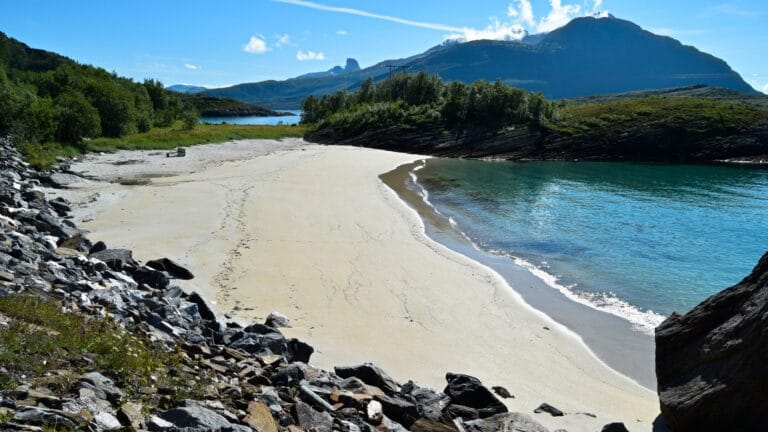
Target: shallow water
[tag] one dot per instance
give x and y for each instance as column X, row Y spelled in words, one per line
column 634, row 240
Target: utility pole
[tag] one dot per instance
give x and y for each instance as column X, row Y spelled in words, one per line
column 393, row 67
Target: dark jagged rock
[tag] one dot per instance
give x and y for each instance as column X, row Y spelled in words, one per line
column 171, row 267
column 401, row 411
column 614, row 427
column 370, row 374
column 711, row 362
column 116, row 259
column 502, row 392
column 469, row 391
column 205, row 310
column 549, row 409
column 155, row 279
column 298, row 351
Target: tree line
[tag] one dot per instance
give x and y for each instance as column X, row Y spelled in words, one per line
column 45, row 97
column 416, row 98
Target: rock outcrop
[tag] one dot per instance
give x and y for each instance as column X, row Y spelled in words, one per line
column 711, row 362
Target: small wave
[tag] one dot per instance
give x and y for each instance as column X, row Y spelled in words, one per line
column 643, row 321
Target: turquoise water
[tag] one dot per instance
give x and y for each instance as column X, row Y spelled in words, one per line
column 634, row 240
column 256, row 120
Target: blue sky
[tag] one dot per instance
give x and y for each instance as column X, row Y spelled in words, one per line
column 228, row 42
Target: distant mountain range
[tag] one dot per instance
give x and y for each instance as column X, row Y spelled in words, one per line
column 183, row 88
column 588, row 56
column 351, row 66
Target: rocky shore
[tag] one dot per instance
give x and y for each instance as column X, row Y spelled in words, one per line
column 219, row 375
column 648, row 143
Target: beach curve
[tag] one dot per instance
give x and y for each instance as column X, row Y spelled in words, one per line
column 312, row 232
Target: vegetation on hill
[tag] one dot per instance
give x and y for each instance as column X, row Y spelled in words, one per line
column 482, row 119
column 413, row 99
column 210, row 106
column 45, row 97
column 53, row 106
column 612, row 118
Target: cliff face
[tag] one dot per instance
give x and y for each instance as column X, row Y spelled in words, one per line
column 655, row 143
column 711, row 362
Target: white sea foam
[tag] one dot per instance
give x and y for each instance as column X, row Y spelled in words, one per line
column 644, row 321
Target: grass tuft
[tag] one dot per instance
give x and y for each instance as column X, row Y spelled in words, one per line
column 39, row 337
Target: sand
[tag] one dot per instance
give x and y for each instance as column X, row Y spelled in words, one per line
column 312, row 232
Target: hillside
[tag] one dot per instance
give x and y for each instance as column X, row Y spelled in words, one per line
column 428, row 116
column 588, row 56
column 210, row 106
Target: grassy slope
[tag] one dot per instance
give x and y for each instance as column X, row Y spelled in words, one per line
column 632, row 115
column 44, row 155
column 38, row 338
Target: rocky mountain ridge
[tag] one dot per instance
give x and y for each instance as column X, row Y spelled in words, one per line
column 588, row 56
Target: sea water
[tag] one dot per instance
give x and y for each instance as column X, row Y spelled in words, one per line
column 257, row 120
column 634, row 240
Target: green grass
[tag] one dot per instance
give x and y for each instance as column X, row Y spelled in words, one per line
column 43, row 156
column 40, row 338
column 627, row 115
column 175, row 136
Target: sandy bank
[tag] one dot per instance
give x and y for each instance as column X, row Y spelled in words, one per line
column 312, row 232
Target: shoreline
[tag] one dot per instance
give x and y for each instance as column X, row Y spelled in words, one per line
column 580, row 384
column 610, row 338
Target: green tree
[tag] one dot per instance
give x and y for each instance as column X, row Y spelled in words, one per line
column 43, row 121
column 77, row 119
column 190, row 117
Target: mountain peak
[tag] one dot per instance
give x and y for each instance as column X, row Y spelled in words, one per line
column 352, row 65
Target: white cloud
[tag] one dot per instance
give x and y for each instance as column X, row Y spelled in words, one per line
column 523, row 12
column 342, row 32
column 256, row 45
column 559, row 15
column 282, row 40
column 520, row 11
column 496, row 30
column 358, row 12
column 765, row 88
column 309, row 55
column 190, row 66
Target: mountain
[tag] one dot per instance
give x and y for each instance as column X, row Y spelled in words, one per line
column 351, row 66
column 588, row 56
column 183, row 88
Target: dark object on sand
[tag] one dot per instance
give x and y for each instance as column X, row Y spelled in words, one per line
column 180, row 152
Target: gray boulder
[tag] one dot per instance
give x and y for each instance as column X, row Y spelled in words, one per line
column 43, row 417
column 711, row 362
column 370, row 374
column 116, row 259
column 198, row 417
column 505, row 422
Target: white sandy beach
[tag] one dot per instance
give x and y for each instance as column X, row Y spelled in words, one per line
column 312, row 232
